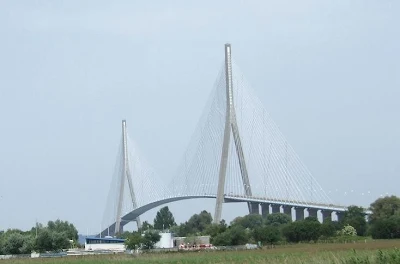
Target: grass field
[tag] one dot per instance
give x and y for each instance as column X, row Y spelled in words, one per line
column 382, row 251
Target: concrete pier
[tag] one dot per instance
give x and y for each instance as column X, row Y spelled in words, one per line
column 264, row 210
column 276, row 208
column 312, row 212
column 254, row 208
column 339, row 216
column 287, row 210
column 326, row 214
column 299, row 213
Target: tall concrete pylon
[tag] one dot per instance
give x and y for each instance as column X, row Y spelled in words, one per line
column 230, row 125
column 126, row 173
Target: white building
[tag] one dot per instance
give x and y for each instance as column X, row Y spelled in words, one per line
column 106, row 243
column 166, row 241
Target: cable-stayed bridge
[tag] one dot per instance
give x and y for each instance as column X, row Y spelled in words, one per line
column 237, row 154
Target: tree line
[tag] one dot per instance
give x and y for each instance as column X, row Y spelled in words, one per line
column 55, row 236
column 384, row 222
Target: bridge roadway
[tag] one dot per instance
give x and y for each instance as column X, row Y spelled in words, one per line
column 275, row 203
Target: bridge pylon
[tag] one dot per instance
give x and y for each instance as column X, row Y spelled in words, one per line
column 230, row 126
column 125, row 174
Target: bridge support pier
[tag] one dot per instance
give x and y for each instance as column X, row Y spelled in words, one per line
column 299, row 213
column 287, row 210
column 339, row 216
column 264, row 210
column 254, row 208
column 276, row 208
column 312, row 212
column 326, row 214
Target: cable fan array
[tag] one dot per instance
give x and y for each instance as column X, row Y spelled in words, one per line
column 275, row 170
column 147, row 186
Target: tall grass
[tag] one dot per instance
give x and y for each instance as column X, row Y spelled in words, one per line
column 379, row 252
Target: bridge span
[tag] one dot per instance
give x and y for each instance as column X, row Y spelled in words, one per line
column 268, row 205
column 236, row 154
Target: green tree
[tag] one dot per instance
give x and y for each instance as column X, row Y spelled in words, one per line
column 150, row 238
column 221, row 239
column 233, row 236
column 250, row 221
column 134, row 240
column 348, row 230
column 196, row 225
column 198, row 222
column 384, row 208
column 36, row 228
column 269, row 234
column 329, row 228
column 164, row 219
column 385, row 218
column 215, row 229
column 12, row 243
column 291, row 232
column 54, row 237
column 48, row 240
column 277, row 219
column 2, row 237
column 312, row 228
column 59, row 226
column 124, row 235
column 386, row 228
column 305, row 230
column 146, row 226
column 355, row 217
column 29, row 244
column 238, row 235
column 180, row 230
column 17, row 243
column 44, row 241
column 60, row 240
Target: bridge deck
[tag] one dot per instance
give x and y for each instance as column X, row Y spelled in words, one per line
column 131, row 216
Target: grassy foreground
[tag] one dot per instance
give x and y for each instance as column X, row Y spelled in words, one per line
column 382, row 251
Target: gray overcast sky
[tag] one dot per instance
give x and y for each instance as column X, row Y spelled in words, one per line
column 327, row 71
